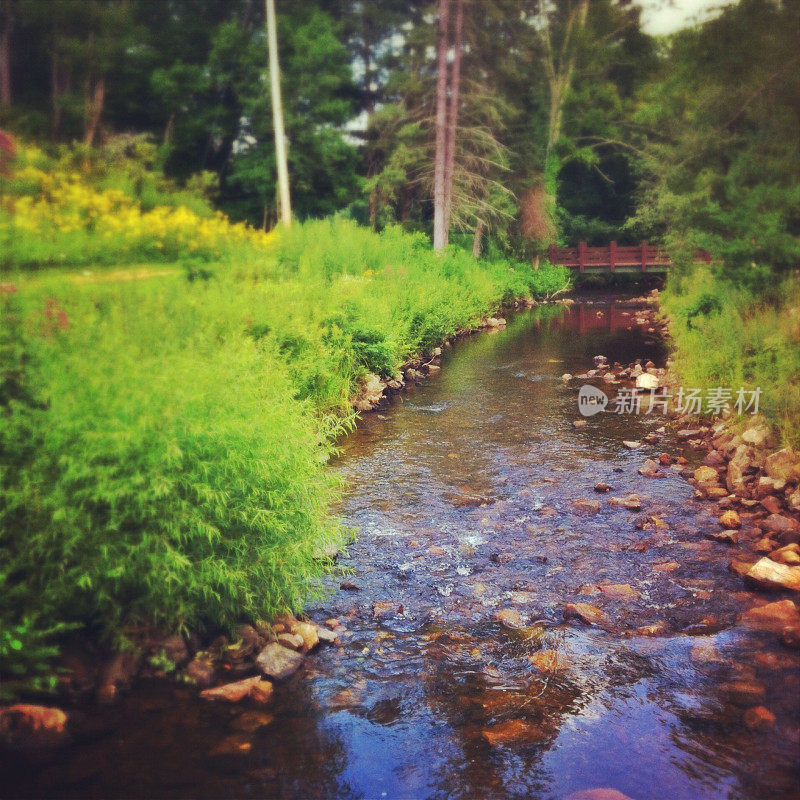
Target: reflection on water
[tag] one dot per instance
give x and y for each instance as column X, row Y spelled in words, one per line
column 463, row 495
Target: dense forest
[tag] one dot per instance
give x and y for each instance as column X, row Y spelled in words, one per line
column 569, row 122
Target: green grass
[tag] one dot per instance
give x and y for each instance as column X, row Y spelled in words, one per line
column 163, row 440
column 725, row 335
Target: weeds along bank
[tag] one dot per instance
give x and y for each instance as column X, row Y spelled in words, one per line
column 163, row 441
column 729, row 336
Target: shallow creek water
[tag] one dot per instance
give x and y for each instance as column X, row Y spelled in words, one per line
column 463, row 494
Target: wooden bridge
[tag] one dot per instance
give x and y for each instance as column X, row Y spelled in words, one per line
column 642, row 257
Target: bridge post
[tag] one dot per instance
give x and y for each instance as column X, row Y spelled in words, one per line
column 581, row 256
column 644, row 256
column 612, row 255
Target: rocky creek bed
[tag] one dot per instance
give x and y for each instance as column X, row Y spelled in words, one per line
column 537, row 605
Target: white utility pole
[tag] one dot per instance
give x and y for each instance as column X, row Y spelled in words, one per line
column 277, row 115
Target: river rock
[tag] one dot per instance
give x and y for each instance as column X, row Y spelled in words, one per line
column 512, row 730
column 566, row 377
column 631, row 502
column 783, row 528
column 767, row 574
column 619, row 591
column 726, row 537
column 252, row 721
column 706, row 474
column 201, row 670
column 510, row 618
column 650, row 469
column 291, row 640
column 767, row 486
column 325, row 635
column 237, row 744
column 632, row 445
column 308, row 633
column 740, row 567
column 592, row 506
column 548, row 661
column 730, row 519
column 590, row 615
column 793, row 499
column 579, row 423
column 743, row 692
column 734, row 479
column 758, row 718
column 116, row 673
column 237, row 691
column 27, row 725
column 602, row 488
column 278, row 662
column 689, row 433
column 647, row 382
column 783, row 465
column 714, row 459
column 789, row 555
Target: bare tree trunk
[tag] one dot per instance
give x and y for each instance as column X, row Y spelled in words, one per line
column 169, row 128
column 477, row 248
column 94, row 100
column 5, row 51
column 452, row 119
column 373, row 208
column 277, row 115
column 440, row 157
column 60, row 85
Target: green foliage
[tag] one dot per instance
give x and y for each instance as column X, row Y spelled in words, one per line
column 163, row 441
column 725, row 335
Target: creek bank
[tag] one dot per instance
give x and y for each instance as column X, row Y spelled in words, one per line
column 753, row 482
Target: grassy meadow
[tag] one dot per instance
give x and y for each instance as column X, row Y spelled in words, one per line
column 164, row 428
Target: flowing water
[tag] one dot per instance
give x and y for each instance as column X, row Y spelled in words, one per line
column 463, row 495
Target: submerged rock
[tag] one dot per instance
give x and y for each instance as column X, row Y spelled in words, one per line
column 598, row 794
column 773, row 617
column 237, row 691
column 512, row 730
column 590, row 615
column 730, row 519
column 510, row 618
column 758, row 718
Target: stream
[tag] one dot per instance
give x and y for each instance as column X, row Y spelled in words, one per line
column 463, row 496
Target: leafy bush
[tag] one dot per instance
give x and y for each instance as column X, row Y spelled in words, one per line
column 725, row 336
column 163, row 440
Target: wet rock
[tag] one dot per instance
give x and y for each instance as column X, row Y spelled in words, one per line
column 510, row 618
column 726, row 537
column 734, row 480
column 767, row 486
column 767, row 574
column 174, row 648
column 619, row 591
column 548, row 661
column 590, row 615
column 740, row 567
column 771, row 504
column 714, row 459
column 789, row 555
column 308, row 633
column 579, row 423
column 201, row 670
column 583, row 504
column 291, row 640
column 512, row 730
column 758, row 718
column 743, row 692
column 566, row 377
column 647, row 382
column 252, row 721
column 783, row 465
column 650, row 469
column 631, row 502
column 783, row 528
column 602, row 488
column 730, row 519
column 766, row 545
column 27, row 725
column 435, row 550
column 793, row 499
column 325, row 635
column 236, row 744
column 632, row 445
column 278, row 662
column 666, row 566
column 384, row 609
column 773, row 617
column 705, row 654
column 689, row 433
column 716, row 492
column 237, row 691
column 348, row 586
column 598, row 794
column 655, row 629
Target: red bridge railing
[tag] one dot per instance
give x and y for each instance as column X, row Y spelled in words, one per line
column 639, row 257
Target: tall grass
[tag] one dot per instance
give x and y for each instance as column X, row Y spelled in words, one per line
column 163, row 441
column 727, row 335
